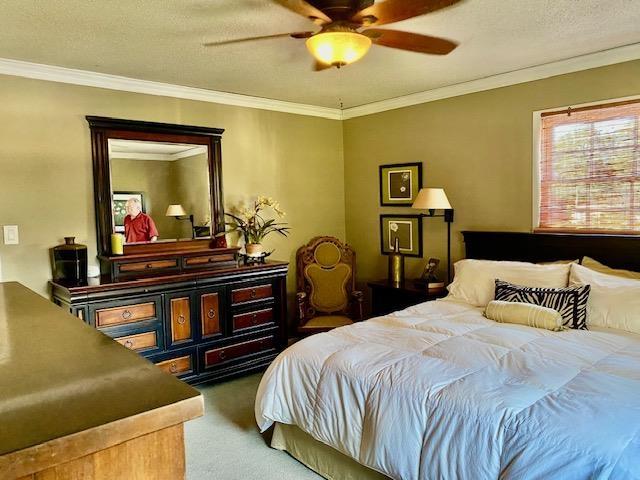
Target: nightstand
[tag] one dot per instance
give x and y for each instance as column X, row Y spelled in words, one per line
column 386, row 298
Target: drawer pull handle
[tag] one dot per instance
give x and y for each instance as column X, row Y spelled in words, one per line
column 211, row 313
column 126, row 314
column 211, row 260
column 253, row 293
column 149, row 265
column 128, row 344
column 181, row 320
column 222, row 355
column 254, row 318
column 173, row 367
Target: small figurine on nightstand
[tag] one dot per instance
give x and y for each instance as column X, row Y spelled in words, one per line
column 429, row 278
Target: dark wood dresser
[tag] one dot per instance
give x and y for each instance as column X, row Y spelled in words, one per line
column 199, row 326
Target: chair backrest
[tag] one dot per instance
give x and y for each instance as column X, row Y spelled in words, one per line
column 326, row 273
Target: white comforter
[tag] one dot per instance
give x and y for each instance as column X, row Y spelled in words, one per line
column 437, row 391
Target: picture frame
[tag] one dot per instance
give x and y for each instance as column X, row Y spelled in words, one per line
column 119, row 211
column 408, row 228
column 399, row 184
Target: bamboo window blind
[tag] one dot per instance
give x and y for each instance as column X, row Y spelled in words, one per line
column 590, row 169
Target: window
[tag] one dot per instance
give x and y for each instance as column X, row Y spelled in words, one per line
column 590, row 169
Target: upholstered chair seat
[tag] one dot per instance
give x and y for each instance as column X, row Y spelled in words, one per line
column 326, row 286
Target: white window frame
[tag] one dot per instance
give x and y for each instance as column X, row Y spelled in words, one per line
column 537, row 149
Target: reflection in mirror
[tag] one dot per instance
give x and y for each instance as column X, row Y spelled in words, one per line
column 160, row 190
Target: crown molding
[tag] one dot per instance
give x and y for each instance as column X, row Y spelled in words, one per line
column 114, row 82
column 575, row 64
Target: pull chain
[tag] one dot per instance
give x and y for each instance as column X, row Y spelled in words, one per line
column 340, row 89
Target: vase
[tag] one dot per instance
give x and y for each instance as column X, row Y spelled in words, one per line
column 70, row 262
column 396, row 265
column 254, row 249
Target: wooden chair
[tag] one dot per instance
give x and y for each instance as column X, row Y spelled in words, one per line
column 325, row 276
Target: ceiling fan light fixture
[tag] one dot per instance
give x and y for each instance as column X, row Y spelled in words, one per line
column 338, row 48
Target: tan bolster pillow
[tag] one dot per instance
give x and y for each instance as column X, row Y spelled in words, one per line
column 524, row 314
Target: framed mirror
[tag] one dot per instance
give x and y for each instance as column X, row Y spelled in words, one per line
column 160, row 185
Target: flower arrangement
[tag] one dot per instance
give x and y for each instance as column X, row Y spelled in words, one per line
column 253, row 225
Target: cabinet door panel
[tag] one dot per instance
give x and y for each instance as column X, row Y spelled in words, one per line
column 210, row 314
column 180, row 319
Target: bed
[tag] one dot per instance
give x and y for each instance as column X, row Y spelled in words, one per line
column 439, row 391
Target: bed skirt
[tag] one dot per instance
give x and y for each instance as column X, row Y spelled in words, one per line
column 322, row 459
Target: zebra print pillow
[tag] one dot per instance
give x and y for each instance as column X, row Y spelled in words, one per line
column 571, row 302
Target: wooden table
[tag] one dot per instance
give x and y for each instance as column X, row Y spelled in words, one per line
column 76, row 404
column 387, row 297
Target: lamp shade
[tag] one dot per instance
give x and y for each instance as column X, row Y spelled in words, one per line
column 431, row 199
column 338, row 48
column 175, row 211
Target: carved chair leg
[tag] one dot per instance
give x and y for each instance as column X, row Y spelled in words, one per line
column 301, row 300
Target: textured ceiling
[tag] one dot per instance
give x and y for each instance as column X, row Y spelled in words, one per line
column 161, row 40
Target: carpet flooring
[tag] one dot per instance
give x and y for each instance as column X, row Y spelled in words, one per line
column 225, row 443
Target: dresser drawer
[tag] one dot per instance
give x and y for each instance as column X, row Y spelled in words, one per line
column 209, row 261
column 219, row 355
column 258, row 318
column 148, row 266
column 139, row 341
column 178, row 366
column 121, row 315
column 250, row 294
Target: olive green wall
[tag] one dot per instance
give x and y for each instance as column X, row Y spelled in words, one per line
column 192, row 190
column 46, row 182
column 478, row 147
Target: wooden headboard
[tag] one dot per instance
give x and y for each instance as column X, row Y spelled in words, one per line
column 616, row 251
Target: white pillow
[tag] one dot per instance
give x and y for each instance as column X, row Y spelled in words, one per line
column 474, row 280
column 614, row 302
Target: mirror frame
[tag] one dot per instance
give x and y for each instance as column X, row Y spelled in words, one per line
column 105, row 128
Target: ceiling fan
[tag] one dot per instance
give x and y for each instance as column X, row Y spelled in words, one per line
column 345, row 35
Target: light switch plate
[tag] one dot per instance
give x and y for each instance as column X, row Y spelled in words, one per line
column 11, row 234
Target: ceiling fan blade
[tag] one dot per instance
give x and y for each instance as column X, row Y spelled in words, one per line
column 305, row 9
column 319, row 66
column 265, row 37
column 410, row 41
column 391, row 11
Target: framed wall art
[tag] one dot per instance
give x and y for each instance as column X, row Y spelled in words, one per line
column 119, row 207
column 408, row 230
column 400, row 184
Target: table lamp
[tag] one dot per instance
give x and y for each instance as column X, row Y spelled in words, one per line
column 177, row 211
column 432, row 199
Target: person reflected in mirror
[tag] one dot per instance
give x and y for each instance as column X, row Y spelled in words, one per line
column 138, row 226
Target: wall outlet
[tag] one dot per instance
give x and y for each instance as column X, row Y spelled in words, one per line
column 11, row 235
